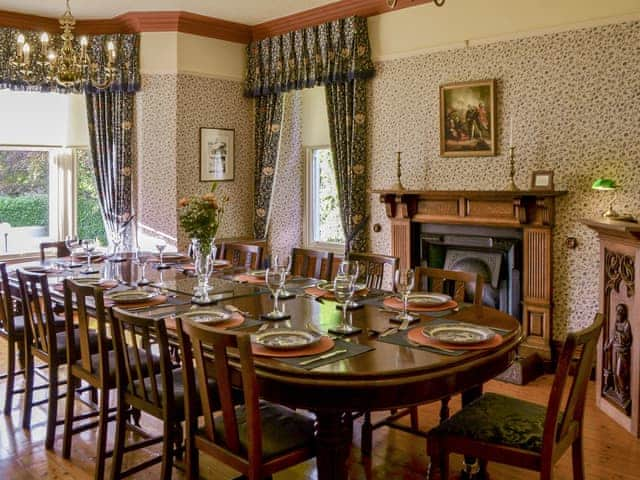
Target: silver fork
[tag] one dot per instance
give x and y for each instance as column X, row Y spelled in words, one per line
column 416, row 344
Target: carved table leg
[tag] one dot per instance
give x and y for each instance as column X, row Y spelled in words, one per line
column 333, row 445
column 471, row 469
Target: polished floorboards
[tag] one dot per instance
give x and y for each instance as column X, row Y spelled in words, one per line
column 610, row 452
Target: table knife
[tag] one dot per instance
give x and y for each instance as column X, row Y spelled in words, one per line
column 323, row 357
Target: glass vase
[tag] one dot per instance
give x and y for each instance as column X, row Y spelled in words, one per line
column 204, row 254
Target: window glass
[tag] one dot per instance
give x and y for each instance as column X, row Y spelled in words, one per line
column 323, row 212
column 24, row 199
column 90, row 224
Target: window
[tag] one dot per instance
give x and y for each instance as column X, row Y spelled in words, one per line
column 46, row 194
column 323, row 226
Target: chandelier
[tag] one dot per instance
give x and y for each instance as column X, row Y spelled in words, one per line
column 70, row 68
column 393, row 3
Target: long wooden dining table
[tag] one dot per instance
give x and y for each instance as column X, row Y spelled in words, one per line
column 385, row 377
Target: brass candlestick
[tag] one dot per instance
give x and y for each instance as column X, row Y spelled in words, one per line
column 512, row 172
column 398, row 184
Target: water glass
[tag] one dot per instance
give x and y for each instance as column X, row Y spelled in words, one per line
column 89, row 246
column 161, row 244
column 344, row 286
column 141, row 258
column 275, row 278
column 282, row 262
column 404, row 282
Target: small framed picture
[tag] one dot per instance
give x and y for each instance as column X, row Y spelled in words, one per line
column 542, row 180
column 217, row 154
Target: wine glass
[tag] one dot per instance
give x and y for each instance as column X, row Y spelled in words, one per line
column 405, row 281
column 161, row 244
column 352, row 268
column 141, row 258
column 116, row 239
column 89, row 245
column 344, row 286
column 282, row 262
column 274, row 278
column 71, row 243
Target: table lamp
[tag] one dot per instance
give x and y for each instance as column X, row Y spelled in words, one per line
column 609, row 185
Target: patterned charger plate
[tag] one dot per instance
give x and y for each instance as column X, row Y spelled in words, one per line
column 458, row 333
column 286, row 339
column 131, row 296
column 207, row 315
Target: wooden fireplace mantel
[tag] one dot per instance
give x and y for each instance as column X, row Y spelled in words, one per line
column 532, row 211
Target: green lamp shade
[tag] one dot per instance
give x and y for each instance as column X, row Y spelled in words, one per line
column 604, row 184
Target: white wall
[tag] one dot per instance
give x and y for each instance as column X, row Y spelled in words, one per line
column 42, row 119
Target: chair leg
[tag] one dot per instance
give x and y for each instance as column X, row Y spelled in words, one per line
column 192, row 459
column 68, row 416
column 28, row 391
column 413, row 414
column 366, row 434
column 578, row 461
column 443, row 463
column 11, row 377
column 444, row 409
column 118, row 444
column 103, row 425
column 52, row 414
column 167, row 451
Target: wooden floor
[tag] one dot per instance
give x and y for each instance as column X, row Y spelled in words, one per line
column 610, row 452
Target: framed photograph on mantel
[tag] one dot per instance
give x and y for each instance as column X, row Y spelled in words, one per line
column 217, row 154
column 468, row 119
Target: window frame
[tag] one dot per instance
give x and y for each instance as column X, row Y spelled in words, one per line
column 62, row 193
column 309, row 217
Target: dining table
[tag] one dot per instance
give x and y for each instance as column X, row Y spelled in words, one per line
column 372, row 370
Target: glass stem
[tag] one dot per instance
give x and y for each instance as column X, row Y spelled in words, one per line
column 344, row 312
column 405, row 299
column 276, row 294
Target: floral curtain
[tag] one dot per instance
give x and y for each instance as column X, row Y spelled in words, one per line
column 347, row 109
column 267, row 140
column 127, row 61
column 335, row 54
column 110, row 118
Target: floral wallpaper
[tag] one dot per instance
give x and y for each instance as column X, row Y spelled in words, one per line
column 575, row 102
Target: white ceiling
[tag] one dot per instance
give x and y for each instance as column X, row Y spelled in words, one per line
column 249, row 12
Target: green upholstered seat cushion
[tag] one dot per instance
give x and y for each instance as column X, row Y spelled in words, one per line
column 500, row 420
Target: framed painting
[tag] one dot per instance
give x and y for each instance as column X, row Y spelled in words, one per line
column 468, row 119
column 542, row 180
column 217, row 154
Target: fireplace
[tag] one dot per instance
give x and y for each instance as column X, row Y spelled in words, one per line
column 494, row 253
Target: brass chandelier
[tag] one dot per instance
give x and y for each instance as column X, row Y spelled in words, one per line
column 71, row 67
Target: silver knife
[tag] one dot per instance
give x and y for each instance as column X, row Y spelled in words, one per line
column 389, row 331
column 322, row 357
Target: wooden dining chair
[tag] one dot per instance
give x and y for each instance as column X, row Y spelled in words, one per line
column 372, row 268
column 44, row 341
column 306, row 262
column 96, row 368
column 256, row 438
column 137, row 340
column 453, row 283
column 243, row 255
column 60, row 248
column 12, row 330
column 507, row 430
column 461, row 286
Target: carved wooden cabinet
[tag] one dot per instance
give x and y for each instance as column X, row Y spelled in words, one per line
column 618, row 363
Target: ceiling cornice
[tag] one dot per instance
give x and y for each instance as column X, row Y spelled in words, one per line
column 186, row 22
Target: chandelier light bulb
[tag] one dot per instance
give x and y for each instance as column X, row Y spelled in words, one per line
column 44, row 38
column 51, row 57
column 21, row 39
column 84, row 41
column 26, row 50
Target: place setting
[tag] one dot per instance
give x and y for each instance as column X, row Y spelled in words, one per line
column 224, row 317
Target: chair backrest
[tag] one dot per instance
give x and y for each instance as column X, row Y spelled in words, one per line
column 61, row 249
column 451, row 282
column 199, row 346
column 85, row 295
column 38, row 313
column 137, row 340
column 306, row 262
column 556, row 431
column 243, row 255
column 372, row 268
column 6, row 302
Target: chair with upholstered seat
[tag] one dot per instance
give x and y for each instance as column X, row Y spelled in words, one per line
column 256, row 438
column 307, row 262
column 520, row 433
column 44, row 341
column 458, row 285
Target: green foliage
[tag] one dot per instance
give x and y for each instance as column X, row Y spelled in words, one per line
column 25, row 211
column 90, row 224
column 330, row 222
column 23, row 172
column 200, row 216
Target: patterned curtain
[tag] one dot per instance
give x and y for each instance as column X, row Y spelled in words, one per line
column 347, row 109
column 267, row 140
column 336, row 54
column 127, row 61
column 110, row 118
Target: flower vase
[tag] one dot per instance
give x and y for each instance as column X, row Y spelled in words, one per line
column 203, row 252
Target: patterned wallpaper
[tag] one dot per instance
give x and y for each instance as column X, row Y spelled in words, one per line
column 575, row 102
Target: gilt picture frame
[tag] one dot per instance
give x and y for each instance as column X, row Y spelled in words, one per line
column 217, row 154
column 468, row 119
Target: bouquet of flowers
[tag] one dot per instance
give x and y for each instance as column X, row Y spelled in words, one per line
column 200, row 216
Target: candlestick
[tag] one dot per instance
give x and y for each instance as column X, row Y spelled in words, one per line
column 512, row 171
column 510, row 132
column 398, row 140
column 398, row 185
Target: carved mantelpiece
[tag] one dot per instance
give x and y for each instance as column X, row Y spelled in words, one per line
column 531, row 211
column 618, row 362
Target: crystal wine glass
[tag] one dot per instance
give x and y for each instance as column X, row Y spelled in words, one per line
column 161, row 244
column 141, row 258
column 282, row 262
column 405, row 281
column 352, row 268
column 275, row 280
column 343, row 288
column 116, row 239
column 71, row 243
column 89, row 246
